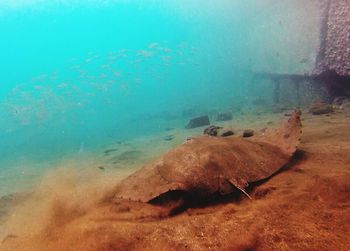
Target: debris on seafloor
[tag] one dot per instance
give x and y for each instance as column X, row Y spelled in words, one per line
column 212, row 130
column 248, row 133
column 204, row 166
column 319, row 108
column 226, row 132
column 198, row 122
column 218, row 131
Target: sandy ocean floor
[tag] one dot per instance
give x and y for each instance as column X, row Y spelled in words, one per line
column 306, row 206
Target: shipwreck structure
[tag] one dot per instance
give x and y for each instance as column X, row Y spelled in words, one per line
column 306, row 42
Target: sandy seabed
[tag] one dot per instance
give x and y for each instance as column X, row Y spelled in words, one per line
column 306, row 206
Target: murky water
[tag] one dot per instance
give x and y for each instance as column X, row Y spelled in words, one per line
column 92, row 90
column 116, row 82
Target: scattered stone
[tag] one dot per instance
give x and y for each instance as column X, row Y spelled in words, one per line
column 248, row 133
column 169, row 137
column 218, row 131
column 224, row 116
column 212, row 130
column 319, row 108
column 101, row 167
column 198, row 122
column 269, row 122
column 226, row 133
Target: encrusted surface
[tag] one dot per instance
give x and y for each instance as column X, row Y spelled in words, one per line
column 334, row 51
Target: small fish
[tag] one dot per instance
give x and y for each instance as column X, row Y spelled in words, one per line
column 169, row 137
column 108, row 151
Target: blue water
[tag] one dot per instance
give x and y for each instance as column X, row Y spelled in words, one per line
column 83, row 74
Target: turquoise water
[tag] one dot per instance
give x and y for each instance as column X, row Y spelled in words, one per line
column 78, row 75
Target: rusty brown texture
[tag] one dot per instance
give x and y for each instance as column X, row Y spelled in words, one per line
column 334, row 54
column 207, row 165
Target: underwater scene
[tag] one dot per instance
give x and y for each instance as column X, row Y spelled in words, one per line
column 174, row 125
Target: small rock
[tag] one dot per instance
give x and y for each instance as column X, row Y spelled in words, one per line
column 218, row 131
column 198, row 122
column 101, row 167
column 224, row 116
column 319, row 108
column 226, row 132
column 212, row 130
column 248, row 133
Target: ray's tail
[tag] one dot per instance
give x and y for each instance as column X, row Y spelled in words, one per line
column 287, row 136
column 290, row 133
